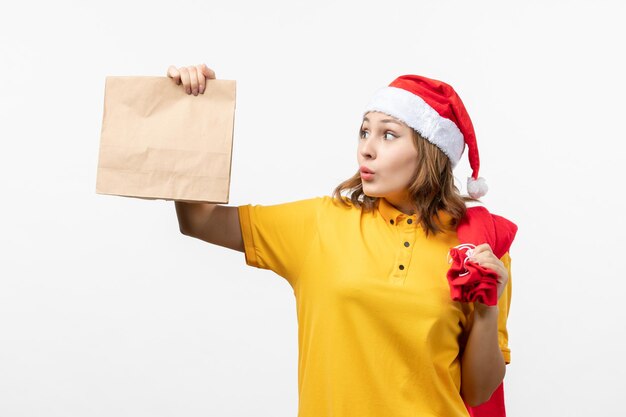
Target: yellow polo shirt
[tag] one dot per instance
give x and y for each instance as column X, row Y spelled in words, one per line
column 378, row 333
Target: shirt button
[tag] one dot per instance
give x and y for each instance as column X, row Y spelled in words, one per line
column 401, row 267
column 391, row 221
column 409, row 221
column 406, row 244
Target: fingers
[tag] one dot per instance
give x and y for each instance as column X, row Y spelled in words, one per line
column 201, row 79
column 173, row 73
column 481, row 253
column 500, row 270
column 184, row 77
column 489, row 265
column 204, row 73
column 208, row 72
column 487, row 260
column 482, row 248
column 193, row 78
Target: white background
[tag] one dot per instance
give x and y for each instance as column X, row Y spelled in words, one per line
column 106, row 309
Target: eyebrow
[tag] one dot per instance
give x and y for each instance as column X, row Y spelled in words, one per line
column 365, row 119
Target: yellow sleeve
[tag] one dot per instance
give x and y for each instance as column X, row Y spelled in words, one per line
column 278, row 237
column 504, row 304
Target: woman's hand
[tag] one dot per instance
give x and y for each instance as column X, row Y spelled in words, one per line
column 193, row 77
column 484, row 256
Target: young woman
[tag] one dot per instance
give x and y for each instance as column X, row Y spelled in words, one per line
column 378, row 332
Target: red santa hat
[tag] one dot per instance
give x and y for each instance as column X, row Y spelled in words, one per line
column 436, row 112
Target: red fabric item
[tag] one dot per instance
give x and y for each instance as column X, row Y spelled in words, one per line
column 480, row 226
column 477, row 227
column 469, row 281
column 492, row 408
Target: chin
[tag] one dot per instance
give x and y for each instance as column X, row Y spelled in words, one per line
column 371, row 193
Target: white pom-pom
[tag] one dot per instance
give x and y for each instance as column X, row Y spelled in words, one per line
column 476, row 188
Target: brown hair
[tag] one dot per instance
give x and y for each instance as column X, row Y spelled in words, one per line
column 431, row 189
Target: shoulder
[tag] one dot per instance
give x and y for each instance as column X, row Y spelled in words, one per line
column 340, row 204
column 320, row 204
column 305, row 209
column 334, row 210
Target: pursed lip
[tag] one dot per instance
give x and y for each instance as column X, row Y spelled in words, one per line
column 366, row 170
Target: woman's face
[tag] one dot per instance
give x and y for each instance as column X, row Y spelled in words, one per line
column 386, row 148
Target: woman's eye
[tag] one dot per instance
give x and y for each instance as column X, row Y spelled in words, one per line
column 363, row 132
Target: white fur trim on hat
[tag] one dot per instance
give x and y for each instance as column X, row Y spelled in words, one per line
column 416, row 113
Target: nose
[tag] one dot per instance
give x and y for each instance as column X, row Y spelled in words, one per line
column 367, row 149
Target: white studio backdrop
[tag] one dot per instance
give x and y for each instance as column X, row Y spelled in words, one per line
column 106, row 309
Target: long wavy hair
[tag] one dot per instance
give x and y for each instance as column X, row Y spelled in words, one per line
column 431, row 189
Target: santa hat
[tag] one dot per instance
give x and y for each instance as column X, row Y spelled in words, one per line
column 436, row 112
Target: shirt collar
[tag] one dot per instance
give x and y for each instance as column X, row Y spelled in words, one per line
column 389, row 212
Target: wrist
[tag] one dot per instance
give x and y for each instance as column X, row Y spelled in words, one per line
column 484, row 311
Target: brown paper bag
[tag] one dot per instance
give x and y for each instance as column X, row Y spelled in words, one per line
column 158, row 142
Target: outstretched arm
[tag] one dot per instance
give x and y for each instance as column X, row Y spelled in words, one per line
column 213, row 223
